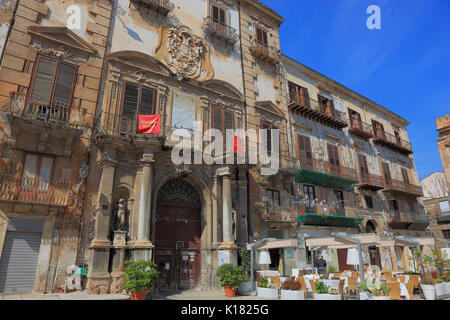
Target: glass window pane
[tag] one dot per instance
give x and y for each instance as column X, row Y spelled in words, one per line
column 29, row 171
column 45, row 173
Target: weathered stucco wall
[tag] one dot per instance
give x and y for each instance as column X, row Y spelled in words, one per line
column 140, row 30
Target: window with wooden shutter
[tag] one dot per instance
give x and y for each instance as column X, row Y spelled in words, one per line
column 355, row 119
column 363, row 165
column 386, row 173
column 261, row 36
column 339, row 197
column 35, row 182
column 267, row 140
column 326, row 106
column 273, row 197
column 309, row 192
column 299, row 94
column 219, row 15
column 405, row 176
column 304, row 150
column 222, row 120
column 378, row 129
column 333, row 155
column 137, row 100
column 53, row 84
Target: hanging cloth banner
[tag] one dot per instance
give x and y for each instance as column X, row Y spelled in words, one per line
column 237, row 145
column 149, row 124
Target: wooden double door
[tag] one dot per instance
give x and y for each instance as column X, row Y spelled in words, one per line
column 178, row 245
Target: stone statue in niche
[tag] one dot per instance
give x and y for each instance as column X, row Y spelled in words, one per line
column 121, row 214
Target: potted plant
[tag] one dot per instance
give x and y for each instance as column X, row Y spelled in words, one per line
column 428, row 289
column 290, row 290
column 442, row 289
column 266, row 290
column 381, row 293
column 141, row 276
column 245, row 287
column 323, row 292
column 230, row 276
column 330, row 270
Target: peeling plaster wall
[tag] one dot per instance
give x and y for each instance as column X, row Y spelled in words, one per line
column 6, row 13
column 140, row 31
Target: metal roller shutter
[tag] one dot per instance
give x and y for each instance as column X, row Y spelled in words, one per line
column 19, row 261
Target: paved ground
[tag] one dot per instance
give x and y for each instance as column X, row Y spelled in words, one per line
column 61, row 296
column 161, row 295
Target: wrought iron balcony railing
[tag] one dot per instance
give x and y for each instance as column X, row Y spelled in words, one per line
column 401, row 186
column 328, row 168
column 220, row 30
column 160, row 6
column 265, row 52
column 393, row 142
column 371, row 181
column 120, row 126
column 35, row 191
column 408, row 220
column 315, row 110
column 360, row 129
column 54, row 113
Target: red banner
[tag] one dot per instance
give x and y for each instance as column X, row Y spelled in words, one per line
column 149, row 124
column 237, row 145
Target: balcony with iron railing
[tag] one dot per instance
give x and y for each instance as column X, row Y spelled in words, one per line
column 162, row 7
column 408, row 220
column 117, row 126
column 402, row 187
column 56, row 114
column 309, row 108
column 220, row 30
column 370, row 181
column 388, row 140
column 35, row 191
column 328, row 168
column 265, row 52
column 360, row 129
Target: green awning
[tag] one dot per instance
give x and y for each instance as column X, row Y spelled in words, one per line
column 325, row 180
column 314, row 219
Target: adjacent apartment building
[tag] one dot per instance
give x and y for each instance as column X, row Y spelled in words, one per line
column 438, row 207
column 73, row 163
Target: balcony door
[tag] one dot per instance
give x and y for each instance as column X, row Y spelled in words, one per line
column 327, row 106
column 137, row 100
column 52, row 88
column 363, row 169
column 386, row 173
column 355, row 119
column 333, row 156
column 304, row 151
column 299, row 94
column 378, row 129
column 35, row 182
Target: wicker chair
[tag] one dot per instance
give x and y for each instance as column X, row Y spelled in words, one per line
column 276, row 281
column 352, row 285
column 341, row 288
column 410, row 287
column 303, row 284
column 395, row 290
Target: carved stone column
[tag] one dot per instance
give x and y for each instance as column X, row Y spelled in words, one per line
column 228, row 249
column 143, row 245
column 215, row 212
column 99, row 277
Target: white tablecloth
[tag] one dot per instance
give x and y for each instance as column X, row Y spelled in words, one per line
column 268, row 273
column 308, row 277
column 404, row 291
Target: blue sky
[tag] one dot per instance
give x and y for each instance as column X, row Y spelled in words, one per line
column 405, row 66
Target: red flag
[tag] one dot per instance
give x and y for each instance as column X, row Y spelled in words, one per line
column 149, row 124
column 302, row 212
column 237, row 145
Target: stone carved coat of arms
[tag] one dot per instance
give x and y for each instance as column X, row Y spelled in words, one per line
column 187, row 54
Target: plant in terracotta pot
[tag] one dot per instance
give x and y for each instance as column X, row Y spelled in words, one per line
column 141, row 276
column 230, row 276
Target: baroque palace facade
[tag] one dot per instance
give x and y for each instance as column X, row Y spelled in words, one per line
column 71, row 158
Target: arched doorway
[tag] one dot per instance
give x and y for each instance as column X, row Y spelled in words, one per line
column 178, row 235
column 374, row 251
